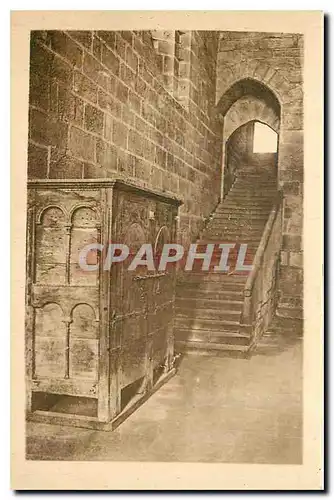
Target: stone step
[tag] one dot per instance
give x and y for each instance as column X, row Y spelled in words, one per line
column 219, row 277
column 209, row 303
column 235, row 226
column 252, row 187
column 238, row 223
column 200, row 313
column 207, row 335
column 231, row 236
column 235, row 229
column 243, row 183
column 242, row 216
column 241, row 201
column 232, row 233
column 243, row 206
column 212, row 325
column 197, row 292
column 254, row 182
column 249, row 171
column 247, row 203
column 227, row 236
column 264, row 195
column 259, row 194
column 211, row 286
column 215, row 265
column 208, row 348
column 242, row 209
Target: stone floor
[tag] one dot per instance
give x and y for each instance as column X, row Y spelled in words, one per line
column 216, row 409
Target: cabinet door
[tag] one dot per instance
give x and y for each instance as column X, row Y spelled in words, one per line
column 145, row 303
column 131, row 288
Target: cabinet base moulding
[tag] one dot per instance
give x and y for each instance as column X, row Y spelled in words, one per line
column 57, row 418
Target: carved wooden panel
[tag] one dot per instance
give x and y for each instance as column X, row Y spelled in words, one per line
column 84, row 232
column 51, row 247
column 83, row 343
column 145, row 296
column 50, row 342
column 65, row 333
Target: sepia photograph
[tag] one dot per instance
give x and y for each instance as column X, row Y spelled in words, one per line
column 164, row 316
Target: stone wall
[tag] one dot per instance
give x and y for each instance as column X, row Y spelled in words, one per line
column 276, row 61
column 100, row 107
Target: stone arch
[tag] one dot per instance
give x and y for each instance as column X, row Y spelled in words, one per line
column 245, row 100
column 51, row 215
column 251, row 69
column 245, row 110
column 83, row 216
column 248, row 87
column 87, row 309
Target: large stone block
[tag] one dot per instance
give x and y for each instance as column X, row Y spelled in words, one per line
column 37, row 161
column 293, row 121
column 63, row 166
column 291, row 281
column 292, row 187
column 81, row 144
column 70, row 107
column 84, row 87
column 110, row 60
column 61, row 71
column 83, row 37
column 47, row 130
column 66, row 47
column 108, row 37
column 292, row 242
column 108, row 103
column 120, row 134
column 106, row 155
column 40, row 58
column 296, row 259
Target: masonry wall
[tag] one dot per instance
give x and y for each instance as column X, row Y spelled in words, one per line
column 276, row 60
column 99, row 107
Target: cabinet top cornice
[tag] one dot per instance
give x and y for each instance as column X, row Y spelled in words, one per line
column 119, row 184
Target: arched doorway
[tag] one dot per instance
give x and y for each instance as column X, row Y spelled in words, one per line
column 254, row 145
column 246, row 103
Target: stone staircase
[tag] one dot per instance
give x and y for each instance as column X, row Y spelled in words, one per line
column 209, row 303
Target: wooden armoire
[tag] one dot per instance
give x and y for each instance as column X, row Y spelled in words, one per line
column 98, row 342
